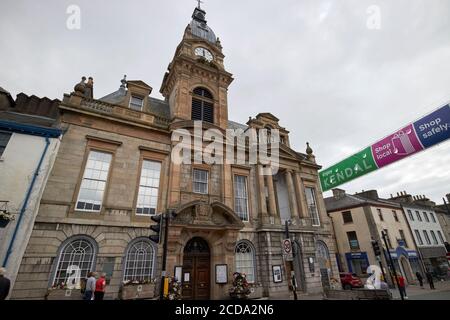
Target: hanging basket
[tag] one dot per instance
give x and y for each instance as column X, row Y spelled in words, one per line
column 4, row 222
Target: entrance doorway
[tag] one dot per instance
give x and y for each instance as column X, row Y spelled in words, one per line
column 196, row 267
column 406, row 269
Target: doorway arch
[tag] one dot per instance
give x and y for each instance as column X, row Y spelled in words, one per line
column 406, row 268
column 196, row 270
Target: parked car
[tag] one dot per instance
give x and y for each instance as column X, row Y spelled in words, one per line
column 350, row 281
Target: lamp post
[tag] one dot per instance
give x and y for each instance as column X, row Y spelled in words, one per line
column 293, row 281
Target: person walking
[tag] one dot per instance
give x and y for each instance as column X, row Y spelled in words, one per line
column 430, row 279
column 90, row 286
column 5, row 284
column 419, row 278
column 402, row 286
column 100, row 287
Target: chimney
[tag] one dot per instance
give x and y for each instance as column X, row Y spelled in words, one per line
column 338, row 193
column 370, row 194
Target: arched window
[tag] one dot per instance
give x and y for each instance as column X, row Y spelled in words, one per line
column 202, row 105
column 139, row 261
column 245, row 260
column 76, row 255
column 323, row 255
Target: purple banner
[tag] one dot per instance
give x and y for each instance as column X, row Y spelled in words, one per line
column 397, row 146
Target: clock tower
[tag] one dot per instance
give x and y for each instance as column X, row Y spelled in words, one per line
column 196, row 82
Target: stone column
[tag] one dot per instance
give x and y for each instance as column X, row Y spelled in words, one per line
column 272, row 201
column 302, row 210
column 291, row 194
column 261, row 190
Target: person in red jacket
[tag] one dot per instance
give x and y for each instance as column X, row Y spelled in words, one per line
column 402, row 285
column 100, row 286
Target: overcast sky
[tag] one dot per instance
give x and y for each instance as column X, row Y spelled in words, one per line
column 314, row 64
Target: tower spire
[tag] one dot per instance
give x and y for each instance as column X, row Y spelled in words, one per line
column 199, row 3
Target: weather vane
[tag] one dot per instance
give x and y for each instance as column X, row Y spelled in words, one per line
column 199, row 3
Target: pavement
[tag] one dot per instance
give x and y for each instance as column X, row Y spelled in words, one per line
column 414, row 292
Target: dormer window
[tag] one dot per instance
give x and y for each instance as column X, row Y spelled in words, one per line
column 136, row 103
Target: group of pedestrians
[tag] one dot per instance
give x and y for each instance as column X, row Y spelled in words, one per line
column 95, row 288
column 429, row 277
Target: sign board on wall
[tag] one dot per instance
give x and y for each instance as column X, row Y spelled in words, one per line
column 422, row 134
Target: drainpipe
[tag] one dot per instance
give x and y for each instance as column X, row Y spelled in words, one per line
column 25, row 203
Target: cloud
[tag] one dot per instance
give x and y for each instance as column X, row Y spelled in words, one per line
column 313, row 63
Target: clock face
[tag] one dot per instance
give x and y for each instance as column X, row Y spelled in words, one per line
column 205, row 53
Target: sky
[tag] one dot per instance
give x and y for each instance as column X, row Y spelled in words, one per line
column 338, row 74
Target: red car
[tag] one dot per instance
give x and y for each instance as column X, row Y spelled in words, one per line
column 350, row 281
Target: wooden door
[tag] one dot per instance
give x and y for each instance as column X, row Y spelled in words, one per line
column 196, row 263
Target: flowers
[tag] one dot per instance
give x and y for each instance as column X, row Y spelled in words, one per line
column 240, row 288
column 174, row 289
column 137, row 282
column 4, row 215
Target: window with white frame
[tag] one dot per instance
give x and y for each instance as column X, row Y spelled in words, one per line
column 419, row 217
column 427, row 238
column 245, row 260
column 432, row 217
column 241, row 197
column 139, row 261
column 312, row 206
column 93, row 185
column 147, row 200
column 200, row 181
column 411, row 216
column 4, row 139
column 418, row 237
column 136, row 103
column 440, row 236
column 78, row 254
column 433, row 235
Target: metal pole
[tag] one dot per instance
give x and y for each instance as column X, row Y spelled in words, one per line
column 166, row 220
column 392, row 264
column 381, row 267
column 294, row 287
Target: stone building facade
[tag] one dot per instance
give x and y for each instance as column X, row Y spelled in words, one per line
column 115, row 169
column 360, row 218
column 426, row 229
column 29, row 141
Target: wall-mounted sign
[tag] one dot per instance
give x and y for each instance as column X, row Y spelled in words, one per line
column 276, row 271
column 221, row 274
column 424, row 133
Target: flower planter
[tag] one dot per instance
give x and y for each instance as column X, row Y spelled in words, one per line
column 3, row 222
column 256, row 292
column 64, row 294
column 137, row 291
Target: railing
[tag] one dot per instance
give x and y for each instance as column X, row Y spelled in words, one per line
column 122, row 112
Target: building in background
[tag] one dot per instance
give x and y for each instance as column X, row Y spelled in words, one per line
column 29, row 141
column 359, row 218
column 114, row 171
column 426, row 229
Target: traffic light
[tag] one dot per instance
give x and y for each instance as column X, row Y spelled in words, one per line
column 156, row 228
column 376, row 248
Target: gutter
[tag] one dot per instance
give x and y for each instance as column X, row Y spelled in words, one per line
column 25, row 203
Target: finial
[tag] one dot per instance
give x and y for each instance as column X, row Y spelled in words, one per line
column 80, row 87
column 309, row 151
column 199, row 3
column 123, row 81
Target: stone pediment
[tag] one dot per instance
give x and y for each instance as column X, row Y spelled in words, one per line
column 202, row 214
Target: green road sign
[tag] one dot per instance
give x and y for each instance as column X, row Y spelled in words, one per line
column 348, row 169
